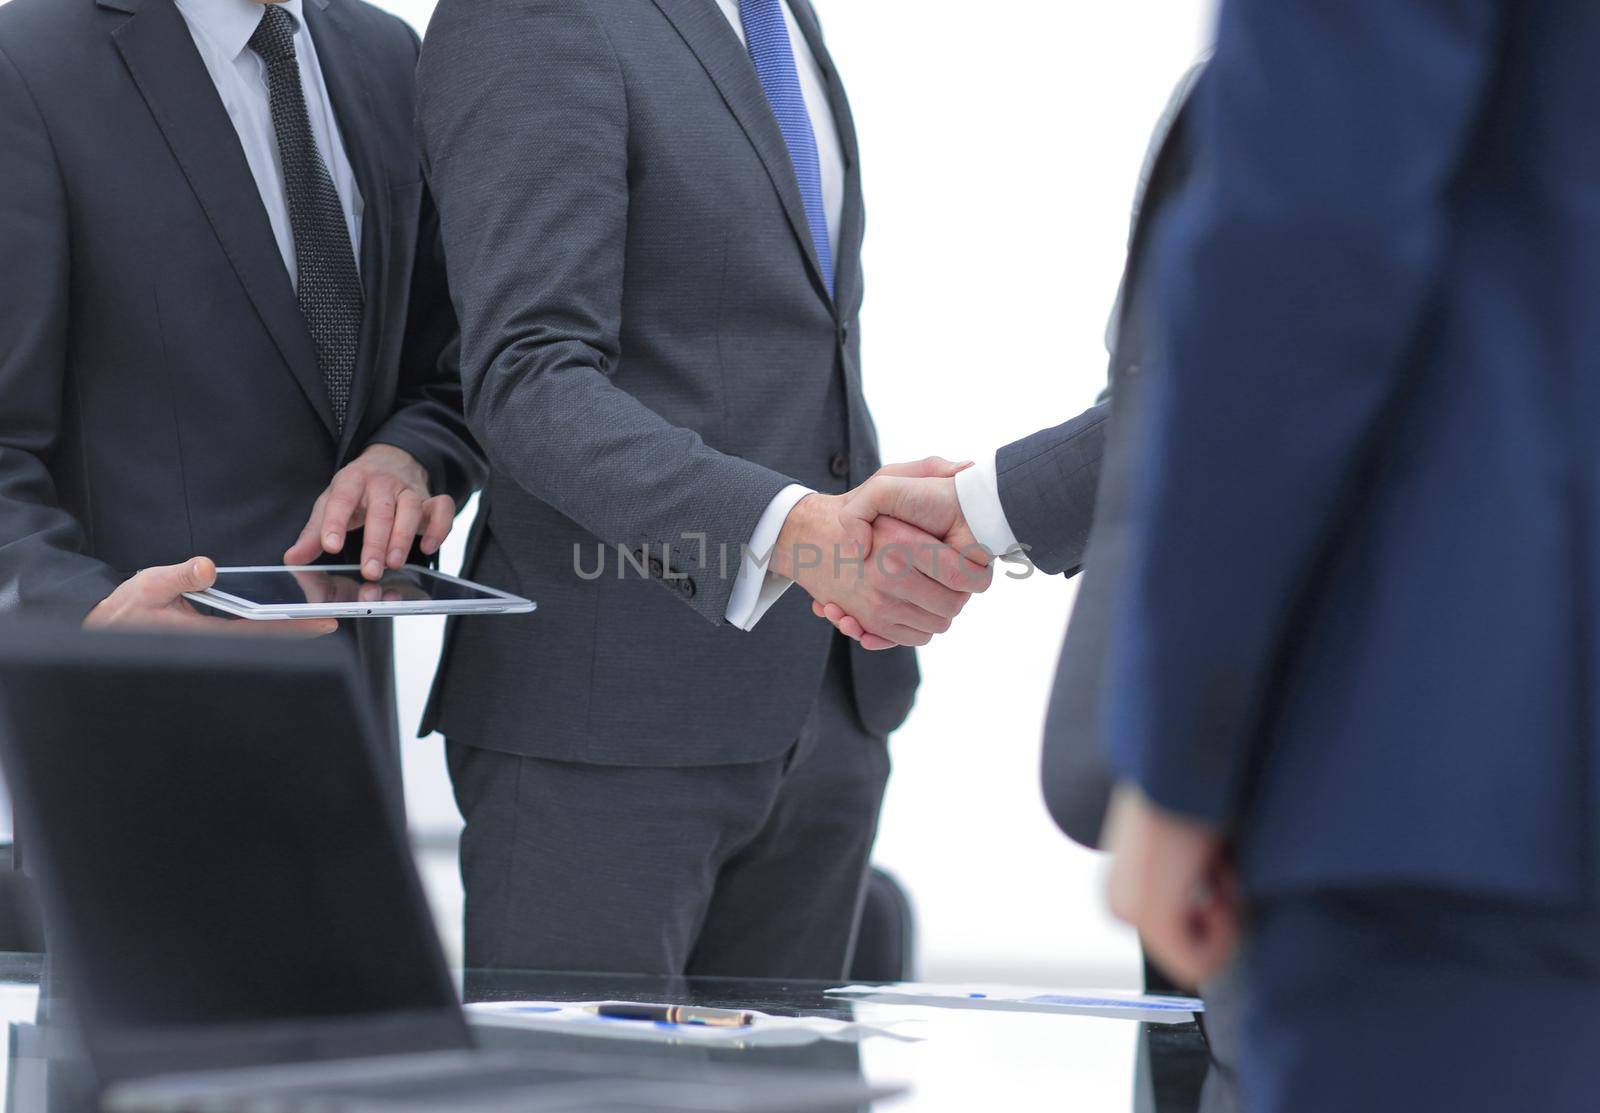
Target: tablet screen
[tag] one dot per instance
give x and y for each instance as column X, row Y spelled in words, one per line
column 274, row 587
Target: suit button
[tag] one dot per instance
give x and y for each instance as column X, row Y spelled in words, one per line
column 687, row 587
column 839, row 465
column 657, row 569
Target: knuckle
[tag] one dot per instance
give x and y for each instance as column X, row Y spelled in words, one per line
column 875, row 606
column 906, row 614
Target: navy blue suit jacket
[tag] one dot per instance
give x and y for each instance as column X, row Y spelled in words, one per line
column 1360, row 624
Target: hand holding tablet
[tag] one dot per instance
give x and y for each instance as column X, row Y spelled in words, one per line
column 268, row 594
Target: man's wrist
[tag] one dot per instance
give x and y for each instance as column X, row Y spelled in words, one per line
column 757, row 587
column 805, row 526
column 978, row 495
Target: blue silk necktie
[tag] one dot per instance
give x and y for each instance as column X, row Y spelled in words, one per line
column 773, row 54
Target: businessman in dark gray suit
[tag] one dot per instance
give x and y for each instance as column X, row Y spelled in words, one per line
column 653, row 217
column 226, row 333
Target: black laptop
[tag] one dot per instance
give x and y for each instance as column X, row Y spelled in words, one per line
column 232, row 903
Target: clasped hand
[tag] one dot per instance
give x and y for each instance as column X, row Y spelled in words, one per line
column 892, row 562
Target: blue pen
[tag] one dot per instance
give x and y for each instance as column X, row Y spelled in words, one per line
column 678, row 1014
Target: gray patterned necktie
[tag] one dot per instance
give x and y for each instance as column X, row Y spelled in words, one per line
column 329, row 287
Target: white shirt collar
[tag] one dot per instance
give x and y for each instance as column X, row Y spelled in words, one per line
column 230, row 23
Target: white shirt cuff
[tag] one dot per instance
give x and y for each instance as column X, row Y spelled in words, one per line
column 756, row 589
column 978, row 491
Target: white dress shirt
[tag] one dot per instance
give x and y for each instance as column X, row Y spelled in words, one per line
column 978, row 491
column 830, row 149
column 757, row 589
column 221, row 30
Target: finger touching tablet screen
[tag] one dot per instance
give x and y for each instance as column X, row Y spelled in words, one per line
column 339, row 591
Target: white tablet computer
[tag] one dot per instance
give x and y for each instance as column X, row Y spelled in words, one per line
column 339, row 591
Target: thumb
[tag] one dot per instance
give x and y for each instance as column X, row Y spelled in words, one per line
column 929, row 504
column 931, row 467
column 157, row 587
column 195, row 575
column 863, row 506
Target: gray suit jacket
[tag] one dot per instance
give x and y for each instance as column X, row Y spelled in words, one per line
column 1052, row 484
column 650, row 355
column 159, row 390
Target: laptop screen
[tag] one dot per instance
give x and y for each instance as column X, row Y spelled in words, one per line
column 216, row 841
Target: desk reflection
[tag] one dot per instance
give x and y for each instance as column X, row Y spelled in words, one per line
column 964, row 1060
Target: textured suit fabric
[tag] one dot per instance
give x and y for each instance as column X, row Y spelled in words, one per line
column 1389, row 675
column 650, row 355
column 737, row 870
column 1056, row 483
column 160, row 394
column 1396, row 1000
column 1048, row 482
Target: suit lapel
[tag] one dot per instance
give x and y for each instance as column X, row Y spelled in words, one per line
column 160, row 55
column 705, row 29
column 847, row 269
column 342, row 54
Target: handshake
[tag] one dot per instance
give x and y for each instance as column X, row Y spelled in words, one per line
column 892, row 562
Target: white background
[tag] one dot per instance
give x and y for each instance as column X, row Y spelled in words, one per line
column 1001, row 142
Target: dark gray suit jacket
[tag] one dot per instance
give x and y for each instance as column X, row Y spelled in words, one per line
column 1055, row 482
column 650, row 355
column 159, row 390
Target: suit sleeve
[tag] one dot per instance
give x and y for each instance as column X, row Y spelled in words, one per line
column 524, row 123
column 1293, row 276
column 428, row 419
column 1047, row 485
column 44, row 561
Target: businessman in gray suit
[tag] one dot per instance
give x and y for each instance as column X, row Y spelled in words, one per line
column 652, row 217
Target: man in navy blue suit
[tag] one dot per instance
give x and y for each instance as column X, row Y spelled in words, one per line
column 1352, row 686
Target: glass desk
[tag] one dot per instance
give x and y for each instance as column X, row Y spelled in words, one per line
column 962, row 1060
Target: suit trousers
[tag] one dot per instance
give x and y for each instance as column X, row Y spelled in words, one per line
column 1411, row 1000
column 752, row 870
